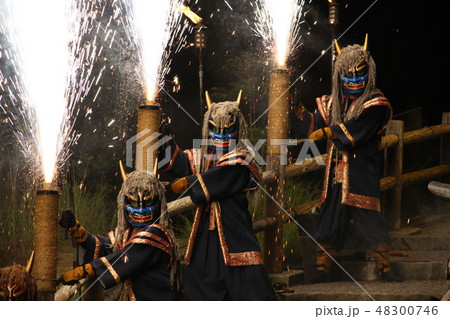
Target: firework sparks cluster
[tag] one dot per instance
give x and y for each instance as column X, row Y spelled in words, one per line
column 51, row 73
column 278, row 24
column 157, row 30
column 47, row 75
column 50, row 57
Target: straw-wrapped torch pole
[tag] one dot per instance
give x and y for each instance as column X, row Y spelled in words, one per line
column 46, row 208
column 149, row 121
column 277, row 128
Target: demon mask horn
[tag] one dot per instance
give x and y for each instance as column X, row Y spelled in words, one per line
column 238, row 100
column 122, row 172
column 209, row 101
column 366, row 42
column 155, row 168
column 365, row 46
column 338, row 48
column 30, row 263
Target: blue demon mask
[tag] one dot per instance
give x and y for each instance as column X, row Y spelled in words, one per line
column 354, row 80
column 142, row 209
column 221, row 138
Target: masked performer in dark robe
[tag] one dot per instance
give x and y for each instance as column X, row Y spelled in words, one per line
column 140, row 254
column 352, row 119
column 223, row 256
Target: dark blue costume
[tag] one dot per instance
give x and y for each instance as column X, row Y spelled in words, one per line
column 143, row 263
column 352, row 119
column 352, row 180
column 223, row 255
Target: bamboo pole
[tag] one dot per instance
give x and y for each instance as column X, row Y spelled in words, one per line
column 425, row 174
column 302, row 209
column 426, row 133
column 46, row 207
column 277, row 129
column 65, row 293
column 306, row 166
column 388, row 141
column 180, row 205
column 266, row 222
column 387, row 182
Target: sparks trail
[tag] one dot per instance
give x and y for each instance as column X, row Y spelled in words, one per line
column 53, row 72
column 156, row 29
column 278, row 25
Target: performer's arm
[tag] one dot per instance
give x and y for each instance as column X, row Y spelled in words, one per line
column 358, row 131
column 125, row 264
column 93, row 246
column 146, row 250
column 116, row 267
column 308, row 122
column 178, row 164
column 217, row 183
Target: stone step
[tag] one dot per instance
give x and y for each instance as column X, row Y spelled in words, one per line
column 418, row 255
column 407, row 270
column 410, row 265
column 420, row 242
column 288, row 278
column 430, row 290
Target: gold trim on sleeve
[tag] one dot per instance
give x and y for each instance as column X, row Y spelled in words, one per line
column 202, row 184
column 347, row 134
column 195, row 224
column 97, row 247
column 111, row 270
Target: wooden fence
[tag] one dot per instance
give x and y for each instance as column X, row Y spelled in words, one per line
column 392, row 183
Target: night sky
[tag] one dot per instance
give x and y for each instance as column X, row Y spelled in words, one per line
column 406, row 40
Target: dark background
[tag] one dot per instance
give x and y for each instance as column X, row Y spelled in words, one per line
column 406, row 39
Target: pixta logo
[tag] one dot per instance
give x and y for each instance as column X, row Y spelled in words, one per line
column 147, row 143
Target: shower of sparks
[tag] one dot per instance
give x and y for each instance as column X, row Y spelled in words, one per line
column 14, row 108
column 278, row 24
column 155, row 27
column 54, row 65
column 228, row 5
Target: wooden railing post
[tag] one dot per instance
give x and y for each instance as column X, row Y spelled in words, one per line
column 443, row 206
column 393, row 166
